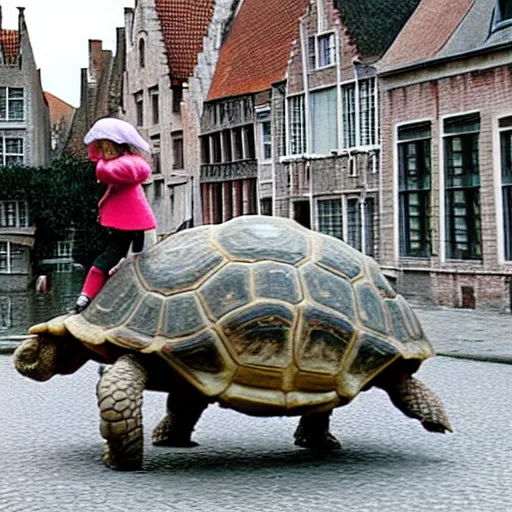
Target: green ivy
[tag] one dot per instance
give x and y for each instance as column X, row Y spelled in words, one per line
column 59, row 197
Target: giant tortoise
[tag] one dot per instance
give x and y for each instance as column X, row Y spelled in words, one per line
column 258, row 314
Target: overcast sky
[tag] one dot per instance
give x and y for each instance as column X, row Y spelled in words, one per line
column 59, row 31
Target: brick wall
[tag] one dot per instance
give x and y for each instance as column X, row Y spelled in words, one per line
column 479, row 84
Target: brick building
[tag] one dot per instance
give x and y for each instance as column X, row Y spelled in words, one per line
column 163, row 41
column 325, row 118
column 100, row 91
column 446, row 96
column 24, row 140
column 236, row 147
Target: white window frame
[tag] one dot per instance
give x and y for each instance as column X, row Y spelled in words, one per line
column 263, row 117
column 3, row 149
column 331, row 37
column 64, row 249
column 17, row 221
column 302, row 142
column 342, row 211
column 7, row 255
column 8, row 100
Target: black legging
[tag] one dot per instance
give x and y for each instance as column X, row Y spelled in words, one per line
column 118, row 244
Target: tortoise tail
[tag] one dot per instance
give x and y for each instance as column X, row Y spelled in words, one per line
column 416, row 400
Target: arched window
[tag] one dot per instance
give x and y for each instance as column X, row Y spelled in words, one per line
column 142, row 53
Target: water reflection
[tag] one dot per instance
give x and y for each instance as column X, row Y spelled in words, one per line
column 20, row 310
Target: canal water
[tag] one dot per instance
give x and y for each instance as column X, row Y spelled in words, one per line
column 21, row 309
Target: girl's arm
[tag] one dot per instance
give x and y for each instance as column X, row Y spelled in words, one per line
column 125, row 170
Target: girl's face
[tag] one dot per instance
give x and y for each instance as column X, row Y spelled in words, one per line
column 94, row 152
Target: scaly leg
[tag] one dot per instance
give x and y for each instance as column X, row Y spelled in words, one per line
column 119, row 394
column 313, row 432
column 415, row 400
column 183, row 412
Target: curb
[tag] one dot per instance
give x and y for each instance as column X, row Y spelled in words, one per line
column 477, row 357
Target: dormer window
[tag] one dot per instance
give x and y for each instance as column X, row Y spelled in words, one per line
column 503, row 13
column 142, row 53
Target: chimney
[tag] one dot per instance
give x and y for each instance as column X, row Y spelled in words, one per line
column 0, row 17
column 21, row 18
column 128, row 23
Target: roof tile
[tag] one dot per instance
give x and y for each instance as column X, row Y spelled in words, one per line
column 9, row 40
column 184, row 25
column 59, row 109
column 256, row 51
column 426, row 33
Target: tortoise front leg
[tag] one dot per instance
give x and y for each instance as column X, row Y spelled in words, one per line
column 183, row 412
column 313, row 432
column 119, row 395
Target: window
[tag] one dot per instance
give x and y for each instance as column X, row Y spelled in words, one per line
column 13, row 214
column 238, row 145
column 414, row 182
column 462, row 187
column 312, row 52
column 266, row 140
column 139, row 108
column 226, row 146
column 156, row 155
column 205, row 149
column 216, row 147
column 250, row 148
column 13, row 258
column 330, row 217
column 5, row 258
column 153, row 95
column 158, row 189
column 266, row 206
column 349, row 116
column 177, row 150
column 297, row 125
column 142, row 53
column 505, row 128
column 177, row 98
column 367, row 113
column 265, row 134
column 326, row 50
column 369, row 224
column 503, row 11
column 354, row 223
column 324, row 121
column 11, row 104
column 64, row 249
column 11, row 150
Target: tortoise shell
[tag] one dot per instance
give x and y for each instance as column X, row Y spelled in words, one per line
column 260, row 313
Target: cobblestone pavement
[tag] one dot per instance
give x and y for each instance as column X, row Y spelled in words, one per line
column 468, row 333
column 51, row 452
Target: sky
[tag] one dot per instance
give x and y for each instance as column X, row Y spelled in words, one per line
column 59, row 32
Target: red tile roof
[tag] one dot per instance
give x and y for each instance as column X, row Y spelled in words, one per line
column 426, row 33
column 10, row 45
column 59, row 109
column 257, row 49
column 184, row 25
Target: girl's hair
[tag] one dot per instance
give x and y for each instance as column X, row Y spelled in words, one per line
column 111, row 150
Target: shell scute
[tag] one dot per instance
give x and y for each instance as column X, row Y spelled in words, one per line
column 371, row 309
column 251, row 239
column 277, row 281
column 337, row 256
column 329, row 289
column 227, row 290
column 323, row 341
column 261, row 334
column 179, row 262
column 182, row 316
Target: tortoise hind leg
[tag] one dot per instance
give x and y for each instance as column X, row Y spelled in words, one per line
column 183, row 412
column 415, row 400
column 313, row 432
column 119, row 395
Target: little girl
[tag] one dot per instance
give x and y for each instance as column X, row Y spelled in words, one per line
column 123, row 209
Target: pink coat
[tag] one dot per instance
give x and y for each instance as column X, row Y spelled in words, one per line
column 124, row 205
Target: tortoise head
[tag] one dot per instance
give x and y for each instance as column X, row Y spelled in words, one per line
column 43, row 356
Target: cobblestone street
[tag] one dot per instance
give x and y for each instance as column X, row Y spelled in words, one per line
column 51, row 454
